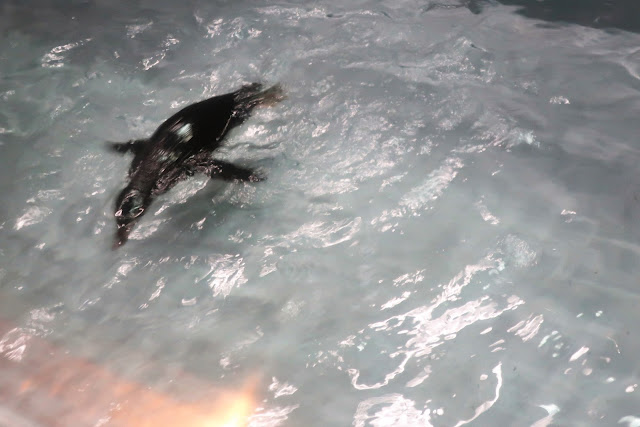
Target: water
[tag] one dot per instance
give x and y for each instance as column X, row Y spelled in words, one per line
column 446, row 235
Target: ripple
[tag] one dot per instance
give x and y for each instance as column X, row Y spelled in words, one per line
column 421, row 197
column 33, row 215
column 427, row 327
column 396, row 410
column 137, row 29
column 225, row 273
column 272, row 417
column 55, row 59
column 14, row 343
column 484, row 407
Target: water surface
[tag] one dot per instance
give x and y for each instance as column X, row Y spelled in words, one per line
column 447, row 234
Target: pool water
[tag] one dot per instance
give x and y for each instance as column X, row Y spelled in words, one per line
column 447, row 233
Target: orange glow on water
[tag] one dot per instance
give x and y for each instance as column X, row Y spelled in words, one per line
column 50, row 387
column 222, row 409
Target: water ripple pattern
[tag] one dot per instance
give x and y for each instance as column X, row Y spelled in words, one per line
column 447, row 234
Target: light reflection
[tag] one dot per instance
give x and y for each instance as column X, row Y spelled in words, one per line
column 129, row 404
column 421, row 377
column 14, row 343
column 397, row 411
column 630, row 420
column 281, row 389
column 551, row 409
column 437, row 182
column 421, row 197
column 355, row 374
column 146, row 229
column 33, row 215
column 429, row 326
column 578, row 354
column 488, row 404
column 54, row 58
column 486, row 214
column 225, row 273
column 321, row 234
column 315, row 234
column 273, row 417
column 134, row 30
column 34, row 370
column 228, row 408
column 527, row 329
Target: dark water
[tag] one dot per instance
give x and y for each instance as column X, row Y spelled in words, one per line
column 605, row 14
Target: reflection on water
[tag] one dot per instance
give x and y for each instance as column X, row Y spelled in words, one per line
column 53, row 388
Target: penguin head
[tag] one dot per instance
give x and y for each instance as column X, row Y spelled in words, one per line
column 130, row 206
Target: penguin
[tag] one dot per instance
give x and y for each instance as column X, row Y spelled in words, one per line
column 182, row 146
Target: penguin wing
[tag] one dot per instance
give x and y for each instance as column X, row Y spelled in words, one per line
column 134, row 146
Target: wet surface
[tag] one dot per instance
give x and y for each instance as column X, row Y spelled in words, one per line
column 446, row 234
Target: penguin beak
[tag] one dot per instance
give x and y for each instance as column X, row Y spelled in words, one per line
column 122, row 235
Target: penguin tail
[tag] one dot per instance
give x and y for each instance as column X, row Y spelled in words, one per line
column 252, row 95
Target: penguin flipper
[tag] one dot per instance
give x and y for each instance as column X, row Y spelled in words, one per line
column 228, row 171
column 134, row 146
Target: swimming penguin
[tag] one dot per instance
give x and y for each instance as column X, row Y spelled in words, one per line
column 182, row 146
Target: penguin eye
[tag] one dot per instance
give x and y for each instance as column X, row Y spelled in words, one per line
column 136, row 211
column 133, row 207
